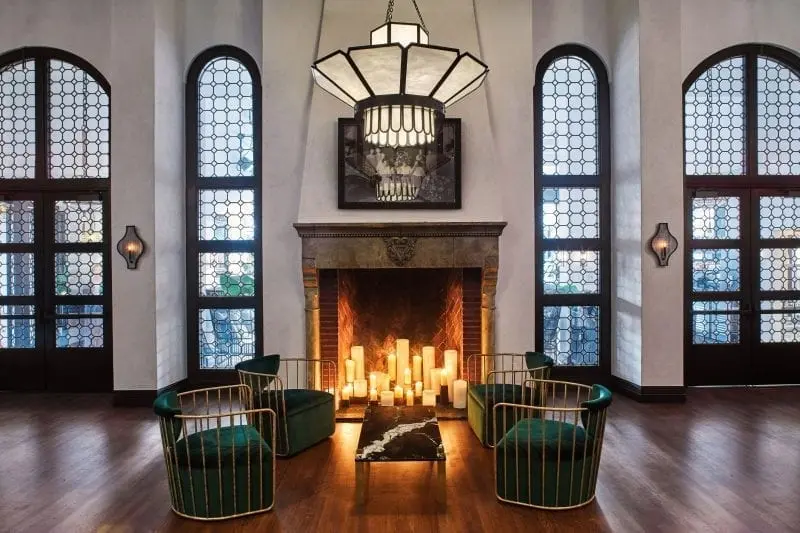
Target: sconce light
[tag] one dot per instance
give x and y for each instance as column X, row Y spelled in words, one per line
column 131, row 247
column 663, row 243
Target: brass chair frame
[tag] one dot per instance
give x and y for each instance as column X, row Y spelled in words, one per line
column 219, row 407
column 323, row 377
column 562, row 405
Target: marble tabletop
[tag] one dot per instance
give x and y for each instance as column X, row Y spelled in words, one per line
column 400, row 434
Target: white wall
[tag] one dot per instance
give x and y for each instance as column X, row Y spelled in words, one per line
column 626, row 300
column 287, row 93
column 144, row 48
column 169, row 162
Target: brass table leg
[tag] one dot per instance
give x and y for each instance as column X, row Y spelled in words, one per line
column 441, row 482
column 362, row 482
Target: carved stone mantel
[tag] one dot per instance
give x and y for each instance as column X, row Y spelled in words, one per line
column 399, row 245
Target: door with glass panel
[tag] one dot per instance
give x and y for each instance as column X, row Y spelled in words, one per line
column 53, row 280
column 742, row 175
column 744, row 303
column 55, row 312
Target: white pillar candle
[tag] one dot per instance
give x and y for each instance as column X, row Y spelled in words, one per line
column 392, row 364
column 387, row 385
column 347, row 391
column 407, row 376
column 357, row 355
column 428, row 362
column 451, row 362
column 460, row 394
column 398, row 392
column 418, row 389
column 429, row 398
column 373, row 380
column 443, row 381
column 387, row 398
column 409, row 397
column 349, row 370
column 373, row 395
column 417, row 365
column 402, row 357
column 436, row 374
column 360, row 388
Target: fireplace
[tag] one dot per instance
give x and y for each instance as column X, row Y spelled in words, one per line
column 369, row 285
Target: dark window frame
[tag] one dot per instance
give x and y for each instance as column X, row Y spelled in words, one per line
column 194, row 246
column 59, row 373
column 750, row 184
column 602, row 180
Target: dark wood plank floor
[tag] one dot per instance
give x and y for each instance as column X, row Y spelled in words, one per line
column 727, row 461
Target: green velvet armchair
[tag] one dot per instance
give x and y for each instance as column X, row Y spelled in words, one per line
column 549, row 455
column 218, row 464
column 302, row 394
column 506, row 375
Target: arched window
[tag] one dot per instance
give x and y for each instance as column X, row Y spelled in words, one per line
column 223, row 210
column 742, row 176
column 572, row 211
column 55, row 297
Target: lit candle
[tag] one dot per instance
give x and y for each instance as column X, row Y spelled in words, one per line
column 357, row 355
column 349, row 370
column 360, row 388
column 428, row 360
column 402, row 357
column 451, row 362
column 347, row 391
column 418, row 389
column 392, row 364
column 417, row 364
column 429, row 398
column 387, row 398
column 407, row 376
column 460, row 394
column 436, row 384
column 409, row 397
column 373, row 380
column 398, row 392
column 373, row 395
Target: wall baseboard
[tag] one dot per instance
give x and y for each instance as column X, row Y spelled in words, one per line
column 145, row 397
column 646, row 394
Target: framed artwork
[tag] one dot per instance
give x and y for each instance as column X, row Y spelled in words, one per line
column 408, row 177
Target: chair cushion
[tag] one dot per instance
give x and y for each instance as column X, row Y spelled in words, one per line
column 297, row 400
column 599, row 400
column 499, row 392
column 231, row 443
column 534, row 360
column 167, row 407
column 545, row 435
column 262, row 364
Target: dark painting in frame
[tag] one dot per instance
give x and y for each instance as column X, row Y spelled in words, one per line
column 418, row 177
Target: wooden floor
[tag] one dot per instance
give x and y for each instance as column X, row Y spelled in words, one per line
column 727, row 461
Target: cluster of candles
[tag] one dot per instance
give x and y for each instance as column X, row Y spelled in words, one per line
column 405, row 384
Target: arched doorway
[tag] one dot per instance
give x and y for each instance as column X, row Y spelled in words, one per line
column 55, row 282
column 742, row 177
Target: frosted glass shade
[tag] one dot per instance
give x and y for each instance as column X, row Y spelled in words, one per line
column 399, row 63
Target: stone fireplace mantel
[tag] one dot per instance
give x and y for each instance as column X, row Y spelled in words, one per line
column 399, row 245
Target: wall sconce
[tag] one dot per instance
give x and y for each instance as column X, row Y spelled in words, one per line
column 663, row 243
column 131, row 247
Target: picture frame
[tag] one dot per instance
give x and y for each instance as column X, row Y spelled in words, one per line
column 417, row 177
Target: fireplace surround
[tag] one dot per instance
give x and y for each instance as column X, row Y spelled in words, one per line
column 423, row 245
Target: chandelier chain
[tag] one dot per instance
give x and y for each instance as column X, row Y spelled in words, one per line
column 390, row 12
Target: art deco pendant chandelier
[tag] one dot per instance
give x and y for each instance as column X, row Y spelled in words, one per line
column 399, row 85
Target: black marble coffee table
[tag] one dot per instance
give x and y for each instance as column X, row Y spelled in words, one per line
column 391, row 434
